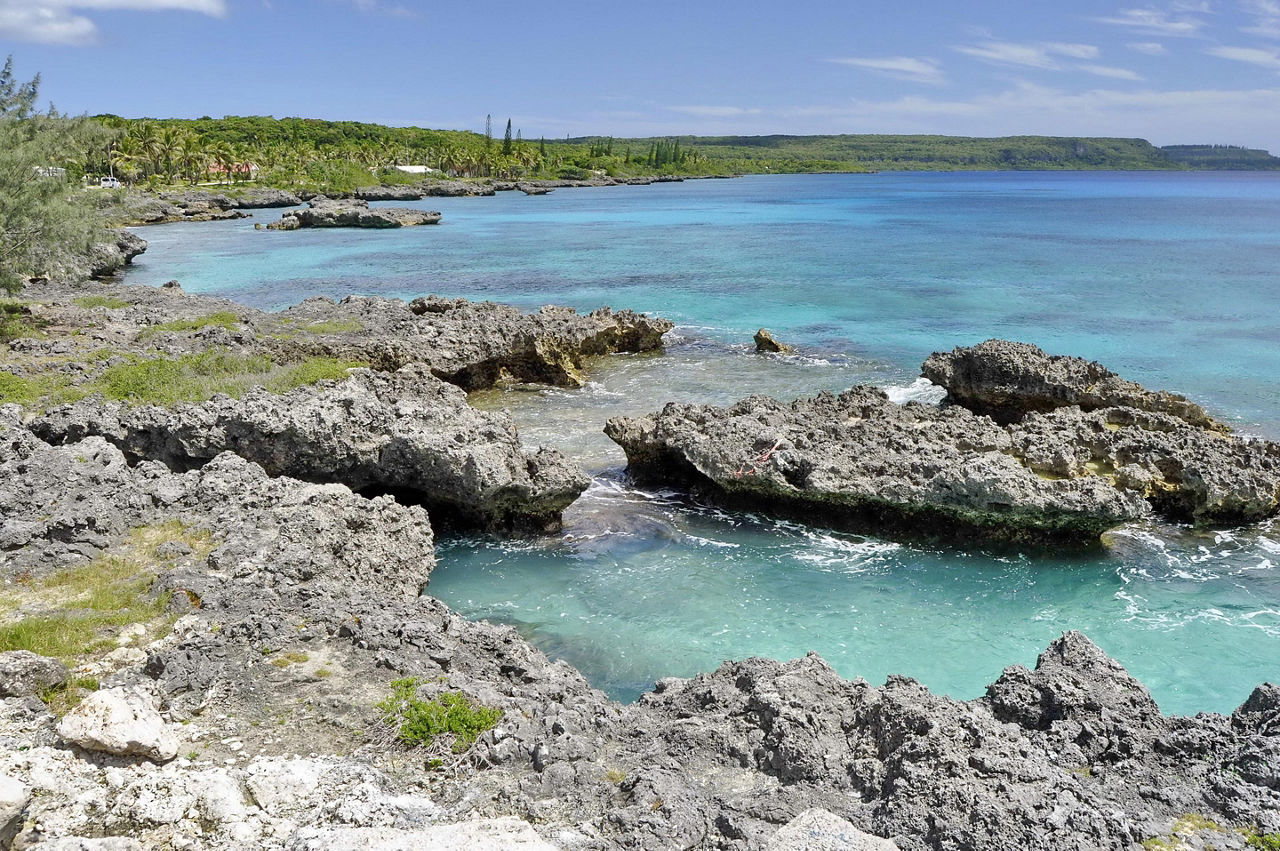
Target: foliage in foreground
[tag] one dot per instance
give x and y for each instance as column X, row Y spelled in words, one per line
column 451, row 717
column 42, row 227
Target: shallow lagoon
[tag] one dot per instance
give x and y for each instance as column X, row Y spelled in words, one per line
column 1168, row 278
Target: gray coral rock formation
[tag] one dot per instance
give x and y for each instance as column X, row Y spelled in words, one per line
column 1073, row 754
column 23, row 673
column 352, row 213
column 405, row 432
column 110, row 256
column 1006, row 380
column 859, row 460
column 1067, row 474
column 470, row 344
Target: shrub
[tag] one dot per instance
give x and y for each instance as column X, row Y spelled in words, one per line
column 419, row 722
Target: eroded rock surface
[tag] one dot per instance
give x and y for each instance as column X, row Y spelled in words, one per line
column 858, row 459
column 471, row 344
column 406, row 432
column 1067, row 473
column 120, row 721
column 352, row 213
column 1006, row 380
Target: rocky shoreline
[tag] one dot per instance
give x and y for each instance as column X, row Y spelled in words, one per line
column 132, row 208
column 269, row 549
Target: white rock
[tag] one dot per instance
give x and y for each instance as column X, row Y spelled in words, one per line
column 819, row 830
column 13, row 800
column 283, row 783
column 497, row 834
column 120, row 721
column 75, row 843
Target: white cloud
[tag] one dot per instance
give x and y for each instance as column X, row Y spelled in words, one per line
column 1110, row 71
column 1028, row 55
column 59, row 22
column 900, row 67
column 1151, row 48
column 1158, row 22
column 1260, row 57
column 715, row 111
column 1266, row 17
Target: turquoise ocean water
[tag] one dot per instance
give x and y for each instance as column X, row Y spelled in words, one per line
column 1170, row 279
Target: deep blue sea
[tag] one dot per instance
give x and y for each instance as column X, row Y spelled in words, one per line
column 1170, row 279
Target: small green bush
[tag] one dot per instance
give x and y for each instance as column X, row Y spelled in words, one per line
column 419, row 722
column 224, row 319
column 1265, row 841
column 110, row 302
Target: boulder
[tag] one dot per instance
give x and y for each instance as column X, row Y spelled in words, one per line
column 534, row 189
column 818, row 830
column 766, row 343
column 14, row 796
column 23, row 673
column 120, row 721
column 352, row 213
column 1006, row 380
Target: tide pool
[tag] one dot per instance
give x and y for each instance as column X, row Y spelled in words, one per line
column 1170, row 279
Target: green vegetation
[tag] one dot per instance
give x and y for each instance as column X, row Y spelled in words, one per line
column 42, row 390
column 91, row 301
column 419, row 722
column 17, row 322
column 223, row 319
column 1265, row 841
column 293, row 657
column 328, row 326
column 42, row 229
column 1221, row 157
column 201, row 376
column 75, row 612
column 168, row 381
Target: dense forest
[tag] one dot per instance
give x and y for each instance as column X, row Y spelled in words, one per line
column 342, row 155
column 1221, row 157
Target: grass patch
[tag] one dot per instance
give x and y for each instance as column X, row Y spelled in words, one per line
column 198, row 377
column 451, row 717
column 293, row 657
column 43, row 390
column 223, row 319
column 79, row 610
column 68, row 696
column 330, row 326
column 91, row 301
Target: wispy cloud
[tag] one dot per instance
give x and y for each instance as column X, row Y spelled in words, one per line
column 60, row 21
column 1110, row 71
column 899, row 67
column 1151, row 48
column 1266, row 17
column 715, row 111
column 1028, row 55
column 1177, row 23
column 1258, row 56
column 381, row 8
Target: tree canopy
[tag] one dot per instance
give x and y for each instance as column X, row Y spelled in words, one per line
column 42, row 228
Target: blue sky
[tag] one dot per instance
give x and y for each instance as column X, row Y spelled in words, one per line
column 1172, row 72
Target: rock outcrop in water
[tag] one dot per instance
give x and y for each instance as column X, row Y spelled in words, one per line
column 354, row 213
column 1007, row 380
column 857, row 460
column 472, row 344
